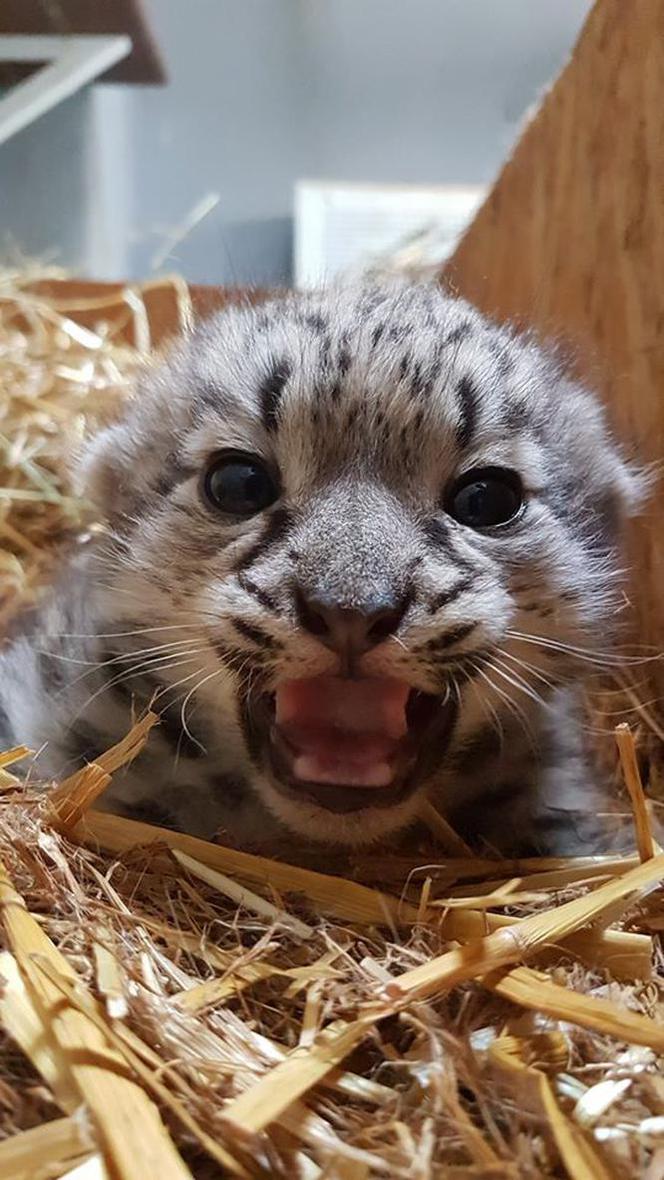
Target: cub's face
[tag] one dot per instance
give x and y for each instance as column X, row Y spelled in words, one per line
column 365, row 524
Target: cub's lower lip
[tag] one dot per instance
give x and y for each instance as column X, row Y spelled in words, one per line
column 347, row 745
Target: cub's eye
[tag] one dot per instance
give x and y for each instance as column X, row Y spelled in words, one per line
column 239, row 485
column 485, row 497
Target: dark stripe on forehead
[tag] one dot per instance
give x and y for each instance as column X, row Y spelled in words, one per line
column 345, row 359
column 467, row 395
column 422, row 382
column 316, row 321
column 503, row 355
column 456, row 335
column 276, row 528
column 324, row 350
column 418, row 382
column 430, row 302
column 371, row 298
column 516, row 414
column 270, row 392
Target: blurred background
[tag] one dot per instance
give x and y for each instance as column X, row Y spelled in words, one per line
column 263, row 141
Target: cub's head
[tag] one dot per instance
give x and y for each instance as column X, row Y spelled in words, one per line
column 367, row 525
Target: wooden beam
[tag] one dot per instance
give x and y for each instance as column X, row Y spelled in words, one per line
column 144, row 63
column 166, row 304
column 571, row 239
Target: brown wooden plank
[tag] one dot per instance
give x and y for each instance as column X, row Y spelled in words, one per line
column 90, row 303
column 207, row 300
column 93, row 303
column 571, row 238
column 144, row 64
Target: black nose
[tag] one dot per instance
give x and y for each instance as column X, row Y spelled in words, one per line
column 349, row 630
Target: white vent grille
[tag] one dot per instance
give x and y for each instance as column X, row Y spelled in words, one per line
column 353, row 228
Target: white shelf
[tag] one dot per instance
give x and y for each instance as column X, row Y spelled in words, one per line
column 70, row 63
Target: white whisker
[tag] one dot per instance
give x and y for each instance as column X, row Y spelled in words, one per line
column 155, row 664
column 183, row 710
column 532, row 668
column 121, row 634
column 604, row 659
column 512, row 706
column 517, row 681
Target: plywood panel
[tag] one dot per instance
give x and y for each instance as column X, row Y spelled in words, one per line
column 571, row 238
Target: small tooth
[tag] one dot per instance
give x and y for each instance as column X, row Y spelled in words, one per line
column 309, row 769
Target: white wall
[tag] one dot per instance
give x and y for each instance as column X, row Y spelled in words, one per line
column 427, row 90
column 262, row 92
column 43, row 179
column 231, row 122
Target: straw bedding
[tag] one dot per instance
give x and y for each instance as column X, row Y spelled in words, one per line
column 174, row 1008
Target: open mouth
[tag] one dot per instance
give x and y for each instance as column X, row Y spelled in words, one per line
column 351, row 744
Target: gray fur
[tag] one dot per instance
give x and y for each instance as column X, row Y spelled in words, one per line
column 368, row 401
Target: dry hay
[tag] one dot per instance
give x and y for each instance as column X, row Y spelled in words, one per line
column 174, row 1008
column 61, row 379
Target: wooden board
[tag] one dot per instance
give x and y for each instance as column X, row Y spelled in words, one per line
column 143, row 64
column 571, row 238
column 161, row 305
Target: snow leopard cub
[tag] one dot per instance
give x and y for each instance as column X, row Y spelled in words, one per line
column 358, row 543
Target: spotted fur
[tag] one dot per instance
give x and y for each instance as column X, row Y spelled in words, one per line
column 366, row 401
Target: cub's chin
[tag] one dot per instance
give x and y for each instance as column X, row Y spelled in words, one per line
column 308, row 821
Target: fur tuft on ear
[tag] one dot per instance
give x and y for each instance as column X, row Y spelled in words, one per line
column 628, row 487
column 122, row 465
column 608, row 481
column 635, row 485
column 103, row 475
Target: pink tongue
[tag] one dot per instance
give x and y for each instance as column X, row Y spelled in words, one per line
column 343, row 731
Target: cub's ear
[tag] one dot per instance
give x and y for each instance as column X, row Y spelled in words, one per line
column 607, row 477
column 109, row 474
column 631, row 485
column 116, row 467
column 626, row 486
